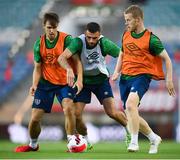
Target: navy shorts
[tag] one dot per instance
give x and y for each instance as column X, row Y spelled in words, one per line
column 139, row 84
column 101, row 91
column 45, row 93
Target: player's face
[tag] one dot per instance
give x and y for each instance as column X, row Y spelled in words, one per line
column 130, row 22
column 92, row 38
column 50, row 31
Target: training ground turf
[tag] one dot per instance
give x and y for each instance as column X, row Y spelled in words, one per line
column 104, row 150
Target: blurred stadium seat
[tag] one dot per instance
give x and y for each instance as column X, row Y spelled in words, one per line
column 19, row 13
column 162, row 13
column 15, row 18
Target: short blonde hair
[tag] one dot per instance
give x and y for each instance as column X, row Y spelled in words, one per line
column 135, row 10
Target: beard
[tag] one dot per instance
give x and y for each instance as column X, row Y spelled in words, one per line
column 51, row 37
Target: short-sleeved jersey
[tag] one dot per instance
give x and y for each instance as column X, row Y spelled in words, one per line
column 107, row 48
column 155, row 44
column 137, row 57
column 47, row 53
column 37, row 55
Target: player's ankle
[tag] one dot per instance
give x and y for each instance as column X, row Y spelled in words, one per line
column 151, row 136
column 33, row 143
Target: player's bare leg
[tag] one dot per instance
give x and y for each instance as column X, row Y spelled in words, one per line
column 69, row 113
column 143, row 126
column 112, row 112
column 34, row 125
column 154, row 139
column 133, row 120
column 120, row 117
column 80, row 125
column 34, row 131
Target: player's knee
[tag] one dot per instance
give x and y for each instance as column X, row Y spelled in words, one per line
column 68, row 111
column 129, row 105
column 36, row 118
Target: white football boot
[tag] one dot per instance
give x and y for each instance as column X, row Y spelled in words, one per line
column 154, row 145
column 133, row 147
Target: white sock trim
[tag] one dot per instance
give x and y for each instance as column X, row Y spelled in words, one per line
column 134, row 138
column 33, row 143
column 151, row 136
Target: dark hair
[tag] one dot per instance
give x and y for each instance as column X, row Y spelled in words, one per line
column 135, row 10
column 93, row 27
column 53, row 18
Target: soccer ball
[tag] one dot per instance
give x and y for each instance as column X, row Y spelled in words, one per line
column 77, row 143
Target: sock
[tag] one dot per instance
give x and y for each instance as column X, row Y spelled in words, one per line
column 33, row 143
column 134, row 138
column 151, row 136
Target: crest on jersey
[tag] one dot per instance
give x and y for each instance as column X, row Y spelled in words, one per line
column 37, row 101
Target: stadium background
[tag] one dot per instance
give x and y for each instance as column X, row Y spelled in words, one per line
column 20, row 25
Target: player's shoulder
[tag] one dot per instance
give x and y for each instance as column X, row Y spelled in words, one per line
column 38, row 39
column 37, row 42
column 104, row 39
column 68, row 38
column 77, row 40
column 154, row 37
column 152, row 34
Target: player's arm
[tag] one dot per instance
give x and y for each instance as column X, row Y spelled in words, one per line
column 37, row 67
column 72, row 49
column 117, row 70
column 157, row 49
column 63, row 61
column 79, row 68
column 109, row 47
column 36, row 77
column 169, row 72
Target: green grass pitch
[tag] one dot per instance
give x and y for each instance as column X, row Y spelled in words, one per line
column 103, row 150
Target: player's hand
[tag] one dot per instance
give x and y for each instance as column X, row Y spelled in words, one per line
column 32, row 90
column 115, row 76
column 170, row 88
column 79, row 86
column 70, row 77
